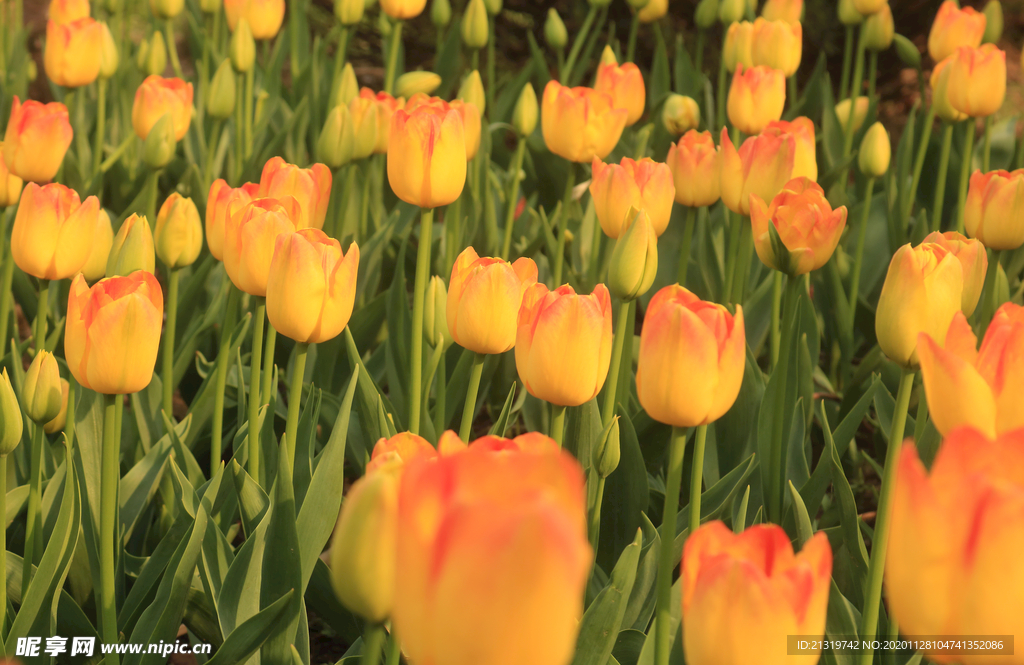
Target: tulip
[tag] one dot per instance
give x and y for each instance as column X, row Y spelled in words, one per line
column 349, row 12
column 953, row 565
column 940, row 92
column 68, row 11
column 220, row 103
column 36, row 139
column 652, row 11
column 777, row 45
column 12, row 425
column 312, row 286
column 643, row 184
column 756, row 97
column 403, row 9
column 427, row 155
column 158, row 96
column 977, row 80
column 250, row 237
column 580, row 124
column 739, row 45
column 393, row 454
column 994, row 212
column 40, row 393
column 363, row 112
column 159, row 146
column 166, row 9
column 993, row 22
column 418, row 82
column 804, row 223
column 634, row 261
column 435, row 314
column 879, row 30
column 555, row 33
column 625, row 85
column 685, row 336
column 922, row 291
column 311, row 188
column 860, row 112
column 263, row 16
column 680, row 114
column 242, row 47
column 472, row 90
column 564, row 343
column 348, row 86
column 336, row 143
column 503, row 555
column 133, row 248
column 113, row 332
column 72, row 54
column 152, row 55
column 694, row 163
column 783, row 10
column 440, row 13
column 706, row 14
column 805, row 161
column 731, row 11
column 58, row 421
column 869, row 7
column 221, row 203
column 385, row 107
column 179, row 232
column 10, row 185
column 53, row 232
column 475, row 30
column 762, row 166
column 954, row 27
column 875, row 152
column 531, row 442
column 524, row 115
column 973, row 260
column 742, row 592
column 102, row 240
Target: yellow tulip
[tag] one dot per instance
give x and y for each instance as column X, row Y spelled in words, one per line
column 994, row 212
column 973, row 261
column 642, row 184
column 694, row 162
column 625, row 84
column 954, row 27
column 762, row 166
column 179, row 233
column 222, row 202
column 756, row 97
column 53, row 232
column 250, row 238
column 580, row 124
column 103, row 239
column 72, row 54
column 778, row 45
column 310, row 187
column 37, row 137
column 158, row 96
column 133, row 248
column 427, row 155
column 977, row 80
column 263, row 16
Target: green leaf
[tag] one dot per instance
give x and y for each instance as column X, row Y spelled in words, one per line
column 804, row 530
column 626, row 495
column 713, row 501
column 250, row 635
column 642, row 600
column 583, row 431
column 602, row 620
column 848, row 518
column 501, row 424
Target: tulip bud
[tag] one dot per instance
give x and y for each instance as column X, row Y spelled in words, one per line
column 879, row 30
column 348, row 88
column 707, row 14
column 493, row 7
column 95, row 267
column 410, row 83
column 524, row 115
column 848, row 14
column 680, row 114
column 993, row 22
column 634, row 261
column 475, row 29
column 435, row 317
column 153, row 57
column 940, row 93
column 608, row 57
column 349, row 12
column 166, row 8
column 638, row 4
column 210, row 6
column 875, row 152
column 730, row 11
column 739, row 45
column 472, row 90
column 109, row 59
column 652, row 11
column 485, row 299
column 336, row 140
column 132, row 249
column 10, row 184
column 58, row 422
column 11, row 424
column 159, row 146
column 221, row 101
column 384, row 24
column 973, row 261
column 440, row 13
column 860, row 112
column 606, row 455
column 907, row 52
column 243, row 47
column 555, row 33
column 40, row 393
column 179, row 232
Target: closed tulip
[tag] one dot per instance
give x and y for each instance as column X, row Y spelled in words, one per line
column 472, row 90
column 384, row 108
column 783, row 10
column 954, row 27
column 564, row 343
column 72, row 54
column 805, row 160
column 435, row 314
column 762, row 166
column 805, row 224
column 242, row 47
column 652, row 11
column 336, row 143
column 879, row 30
column 427, row 155
column 580, row 124
column 953, row 566
column 625, row 85
column 860, row 112
column 312, row 286
column 940, row 92
column 102, row 240
column 696, row 172
column 36, row 139
column 994, row 212
column 418, row 82
column 973, row 261
column 40, row 392
column 364, row 114
column 848, row 14
column 113, row 332
column 869, row 7
column 642, row 184
column 394, row 453
column 68, row 11
column 10, row 185
column 977, row 80
column 524, row 115
column 686, row 336
column 680, row 114
column 756, row 97
column 12, row 425
column 250, row 238
column 263, row 16
column 59, row 420
column 403, row 9
column 743, row 592
column 503, row 554
column 484, row 296
column 166, row 9
column 179, row 233
column 311, row 188
column 158, row 96
column 53, row 231
column 777, row 45
column 739, row 45
column 875, row 152
column 221, row 203
column 634, row 261
column 922, row 291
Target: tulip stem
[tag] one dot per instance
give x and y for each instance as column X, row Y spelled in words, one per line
column 594, row 532
column 226, row 330
column 940, row 180
column 295, row 400
column 563, row 223
column 250, row 77
column 844, row 83
column 394, row 649
column 268, row 364
column 858, row 257
column 453, row 231
column 469, row 408
column 373, row 640
column 986, row 152
column 743, row 258
column 109, row 479
column 418, row 294
column 634, row 28
column 858, row 82
column 152, row 193
column 684, row 247
column 577, row 44
column 720, row 97
column 666, row 560
column 513, row 196
column 389, row 73
column 698, row 54
column 69, row 420
column 872, row 75
column 776, row 333
column 735, row 230
column 557, row 423
column 1018, row 157
column 965, row 172
column 101, row 124
column 776, row 470
column 254, row 391
column 34, row 523
column 339, row 61
column 169, row 330
column 172, row 48
column 991, row 300
column 922, row 150
column 239, row 128
column 3, row 542
column 293, row 33
column 41, row 313
column 491, row 76
column 439, row 399
column 621, row 331
column 869, row 619
column 697, row 476
column 6, row 279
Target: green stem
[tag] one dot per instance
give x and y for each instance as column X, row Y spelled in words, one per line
column 167, row 377
column 872, row 75
column 563, row 223
column 239, row 129
column 720, row 96
column 666, row 560
column 858, row 81
column 990, row 299
column 247, row 127
column 791, row 91
column 920, row 420
column 577, row 44
column 557, row 423
column 684, row 247
column 965, row 172
column 698, row 53
column 364, row 204
column 294, row 10
column 776, row 471
column 254, row 391
column 697, row 476
column 394, row 649
column 389, row 73
column 418, row 294
column 152, row 193
column 339, row 60
column 41, row 314
column 69, row 423
column 869, row 619
column 1018, row 158
column 491, row 65
column 776, row 314
column 439, row 398
column 453, row 233
column 227, row 328
column 172, row 48
column 621, row 331
column 743, row 259
column 216, row 132
column 858, row 260
column 513, row 196
column 6, row 279
column 3, row 542
column 129, row 139
column 373, row 640
column 634, row 28
column 466, row 429
column 268, row 364
column 295, row 400
column 844, row 83
column 109, row 479
column 922, row 150
column 940, row 179
column 101, row 125
column 34, row 523
column 986, row 152
column 735, row 229
column 595, row 515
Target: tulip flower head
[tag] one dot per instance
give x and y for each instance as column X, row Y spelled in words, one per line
column 580, row 124
column 680, row 114
column 696, row 172
column 384, row 106
column 789, row 11
column 40, row 392
column 10, row 184
column 158, row 96
column 222, row 202
column 399, row 450
column 994, row 212
column 973, row 261
column 179, row 233
column 860, row 112
column 977, row 80
column 762, row 166
column 68, row 11
column 403, row 9
column 954, row 27
column 869, row 7
column 642, row 184
column 879, row 30
column 364, row 114
column 59, row 420
column 95, row 267
column 940, row 92
column 37, row 137
column 311, row 188
column 470, row 114
column 625, row 84
column 133, row 248
column 12, row 424
column 805, row 161
column 250, row 238
column 757, row 97
column 524, row 115
column 73, row 50
column 427, row 155
column 418, row 82
column 634, row 261
column 739, row 45
column 53, row 231
column 263, row 16
column 777, row 44
column 652, row 11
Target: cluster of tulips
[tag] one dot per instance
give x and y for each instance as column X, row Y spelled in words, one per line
column 456, row 547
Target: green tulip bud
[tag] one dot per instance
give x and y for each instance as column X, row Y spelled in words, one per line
column 524, row 115
column 58, row 422
column 493, row 7
column 210, row 6
column 349, row 12
column 221, row 101
column 243, row 47
column 179, row 232
column 348, row 88
column 472, row 90
column 40, row 394
column 993, row 22
column 680, row 114
column 133, row 245
column 108, row 54
column 166, row 8
column 848, row 14
column 860, row 112
column 634, row 262
column 261, row 104
column 11, row 424
column 706, row 14
column 156, row 55
column 879, row 30
column 606, row 455
column 440, row 13
column 334, row 148
column 1002, row 285
column 159, row 147
column 907, row 52
column 410, row 83
column 435, row 316
column 475, row 29
column 384, row 24
column 608, row 57
column 875, row 152
column 31, row 70
column 730, row 11
column 555, row 33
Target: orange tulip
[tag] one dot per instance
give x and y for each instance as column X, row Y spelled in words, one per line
column 953, row 28
column 643, row 184
column 491, row 546
column 157, row 97
column 564, row 343
column 685, row 336
column 625, row 84
column 399, row 450
column 37, row 137
column 739, row 45
column 977, row 80
column 994, row 212
column 940, row 92
column 783, row 10
column 805, row 161
column 953, row 566
column 757, row 96
column 580, row 124
column 385, row 106
column 762, row 166
column 53, row 231
column 263, row 16
column 250, row 237
column 10, row 185
column 973, row 261
column 72, row 54
column 403, row 9
column 222, row 202
column 484, row 298
column 113, row 332
column 777, row 44
column 310, row 187
column 531, row 442
column 68, row 11
column 427, row 155
column 743, row 592
column 694, row 162
column 468, row 111
column 805, row 223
